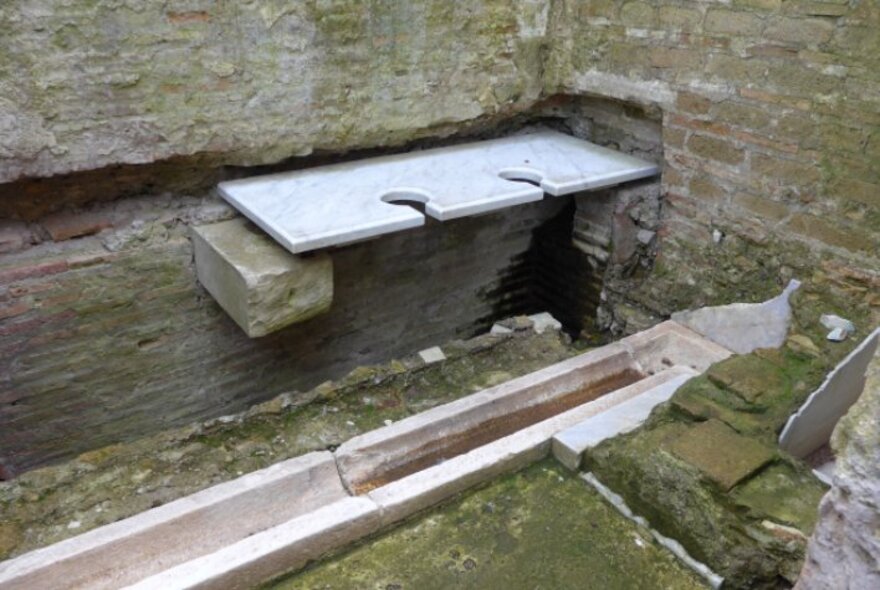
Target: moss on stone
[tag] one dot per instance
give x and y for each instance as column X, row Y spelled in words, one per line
column 786, row 492
column 753, row 395
column 540, row 528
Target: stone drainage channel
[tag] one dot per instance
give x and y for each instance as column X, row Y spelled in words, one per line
column 245, row 532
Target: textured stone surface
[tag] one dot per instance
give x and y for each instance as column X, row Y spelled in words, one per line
column 89, row 84
column 845, row 550
column 769, row 136
column 260, row 285
column 753, row 534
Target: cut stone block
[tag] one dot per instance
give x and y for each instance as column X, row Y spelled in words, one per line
column 570, row 444
column 330, row 205
column 129, row 550
column 811, row 426
column 261, row 286
column 251, row 562
column 743, row 327
column 722, row 454
column 432, row 355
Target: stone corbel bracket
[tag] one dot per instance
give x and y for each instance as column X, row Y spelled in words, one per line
column 262, row 286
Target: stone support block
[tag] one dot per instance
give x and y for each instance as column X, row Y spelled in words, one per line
column 260, row 284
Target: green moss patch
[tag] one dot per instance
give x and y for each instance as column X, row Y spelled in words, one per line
column 540, row 528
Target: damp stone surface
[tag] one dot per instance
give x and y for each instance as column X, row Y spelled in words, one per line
column 539, row 528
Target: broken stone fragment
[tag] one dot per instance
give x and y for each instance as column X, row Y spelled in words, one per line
column 258, row 283
column 544, row 321
column 840, row 328
column 432, row 355
column 743, row 327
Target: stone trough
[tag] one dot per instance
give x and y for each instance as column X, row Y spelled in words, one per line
column 244, row 532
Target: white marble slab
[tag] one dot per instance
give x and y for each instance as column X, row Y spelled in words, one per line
column 343, row 203
column 811, row 426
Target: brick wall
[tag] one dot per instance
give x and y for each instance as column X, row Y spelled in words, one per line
column 110, row 337
column 771, row 130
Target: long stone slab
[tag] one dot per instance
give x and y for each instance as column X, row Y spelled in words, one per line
column 253, row 561
column 129, row 550
column 570, row 444
column 384, row 455
column 425, row 488
column 810, row 427
column 330, row 205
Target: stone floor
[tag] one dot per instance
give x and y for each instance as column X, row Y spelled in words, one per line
column 541, row 528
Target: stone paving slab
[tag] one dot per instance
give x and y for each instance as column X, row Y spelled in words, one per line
column 720, row 453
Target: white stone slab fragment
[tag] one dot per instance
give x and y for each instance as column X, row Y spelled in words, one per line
column 432, row 355
column 668, row 344
column 128, row 550
column 743, row 327
column 810, row 427
column 330, row 205
column 369, row 457
column 541, row 322
column 253, row 561
column 425, row 488
column 570, row 444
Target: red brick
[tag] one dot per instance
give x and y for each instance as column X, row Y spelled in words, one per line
column 692, row 103
column 782, row 146
column 14, row 310
column 32, row 271
column 698, row 125
column 66, row 224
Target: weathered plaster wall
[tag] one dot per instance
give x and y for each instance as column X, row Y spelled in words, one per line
column 86, row 84
column 771, row 132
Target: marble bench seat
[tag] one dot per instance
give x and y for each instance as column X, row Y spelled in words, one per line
column 343, row 203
